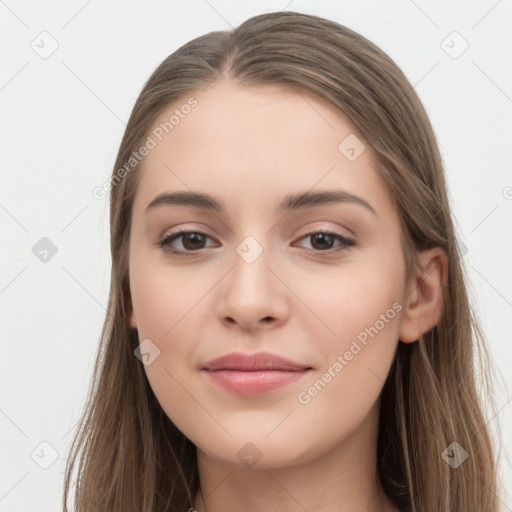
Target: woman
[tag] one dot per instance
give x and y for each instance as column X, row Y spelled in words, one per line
column 288, row 326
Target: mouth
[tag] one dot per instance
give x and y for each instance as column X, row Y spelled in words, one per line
column 253, row 374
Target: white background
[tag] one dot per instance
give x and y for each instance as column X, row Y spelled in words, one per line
column 62, row 121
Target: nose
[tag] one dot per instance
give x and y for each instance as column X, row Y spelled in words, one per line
column 253, row 296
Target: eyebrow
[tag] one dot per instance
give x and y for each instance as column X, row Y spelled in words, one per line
column 290, row 202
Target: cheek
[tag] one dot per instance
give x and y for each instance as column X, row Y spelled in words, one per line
column 365, row 317
column 166, row 305
column 173, row 308
column 360, row 311
column 164, row 299
column 351, row 301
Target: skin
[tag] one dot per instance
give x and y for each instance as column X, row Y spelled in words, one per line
column 250, row 147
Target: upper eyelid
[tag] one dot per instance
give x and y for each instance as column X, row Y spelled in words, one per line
column 182, row 232
column 178, row 234
column 193, row 229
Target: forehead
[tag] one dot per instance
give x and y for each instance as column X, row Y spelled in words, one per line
column 252, row 145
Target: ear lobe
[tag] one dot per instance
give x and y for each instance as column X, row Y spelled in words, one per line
column 424, row 304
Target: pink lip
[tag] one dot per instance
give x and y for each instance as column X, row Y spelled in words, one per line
column 253, row 374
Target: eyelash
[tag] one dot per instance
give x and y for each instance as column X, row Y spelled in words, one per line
column 165, row 242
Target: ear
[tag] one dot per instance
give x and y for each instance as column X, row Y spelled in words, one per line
column 424, row 302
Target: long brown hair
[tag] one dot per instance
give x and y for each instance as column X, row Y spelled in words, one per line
column 128, row 454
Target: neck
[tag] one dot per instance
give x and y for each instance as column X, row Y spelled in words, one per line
column 343, row 479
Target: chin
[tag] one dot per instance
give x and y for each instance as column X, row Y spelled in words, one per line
column 259, row 455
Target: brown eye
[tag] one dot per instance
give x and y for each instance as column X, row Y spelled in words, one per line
column 191, row 241
column 323, row 241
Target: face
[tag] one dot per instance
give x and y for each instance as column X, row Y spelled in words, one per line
column 317, row 283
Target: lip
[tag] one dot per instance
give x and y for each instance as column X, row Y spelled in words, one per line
column 259, row 361
column 252, row 374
